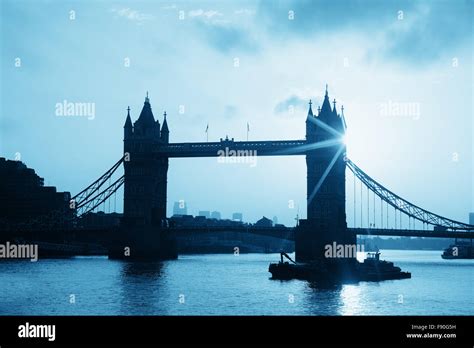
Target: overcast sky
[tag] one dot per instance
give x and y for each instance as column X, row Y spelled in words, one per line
column 402, row 69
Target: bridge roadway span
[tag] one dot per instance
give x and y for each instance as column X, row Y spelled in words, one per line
column 241, row 148
column 289, row 232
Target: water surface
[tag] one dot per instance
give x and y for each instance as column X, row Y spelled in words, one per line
column 221, row 284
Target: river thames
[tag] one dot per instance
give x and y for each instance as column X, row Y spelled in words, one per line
column 226, row 284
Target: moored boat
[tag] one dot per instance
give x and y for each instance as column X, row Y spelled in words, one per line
column 372, row 269
column 458, row 251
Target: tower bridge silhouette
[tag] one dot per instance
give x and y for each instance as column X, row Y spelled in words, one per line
column 147, row 151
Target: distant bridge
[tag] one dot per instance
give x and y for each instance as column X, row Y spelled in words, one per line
column 289, row 232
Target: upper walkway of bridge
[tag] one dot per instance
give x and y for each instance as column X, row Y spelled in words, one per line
column 229, row 147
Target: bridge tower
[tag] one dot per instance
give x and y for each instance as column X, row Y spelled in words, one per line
column 145, row 186
column 326, row 193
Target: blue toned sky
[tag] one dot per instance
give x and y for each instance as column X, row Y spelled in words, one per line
column 402, row 69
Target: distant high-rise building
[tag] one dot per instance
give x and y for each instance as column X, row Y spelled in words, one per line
column 275, row 220
column 180, row 208
column 216, row 215
column 471, row 218
column 205, row 213
column 237, row 216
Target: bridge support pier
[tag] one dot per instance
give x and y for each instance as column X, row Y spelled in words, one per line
column 143, row 243
column 312, row 238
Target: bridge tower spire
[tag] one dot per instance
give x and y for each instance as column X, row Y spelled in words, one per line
column 334, row 111
column 128, row 128
column 326, row 107
column 165, row 132
column 310, row 126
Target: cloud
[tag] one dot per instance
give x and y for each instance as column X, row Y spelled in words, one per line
column 430, row 30
column 290, row 104
column 221, row 32
column 403, row 30
column 230, row 111
column 322, row 16
column 132, row 15
column 204, row 14
column 244, row 12
column 225, row 37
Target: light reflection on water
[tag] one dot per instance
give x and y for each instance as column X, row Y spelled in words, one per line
column 228, row 285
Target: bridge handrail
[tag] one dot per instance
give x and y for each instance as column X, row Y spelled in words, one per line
column 263, row 143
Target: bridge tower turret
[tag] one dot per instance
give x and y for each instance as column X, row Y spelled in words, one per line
column 165, row 132
column 310, row 126
column 326, row 217
column 128, row 127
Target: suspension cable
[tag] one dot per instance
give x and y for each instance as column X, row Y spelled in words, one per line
column 355, row 215
column 361, row 207
column 368, row 215
column 403, row 205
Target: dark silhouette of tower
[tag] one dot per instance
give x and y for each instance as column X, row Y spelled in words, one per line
column 145, row 185
column 145, row 173
column 326, row 212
